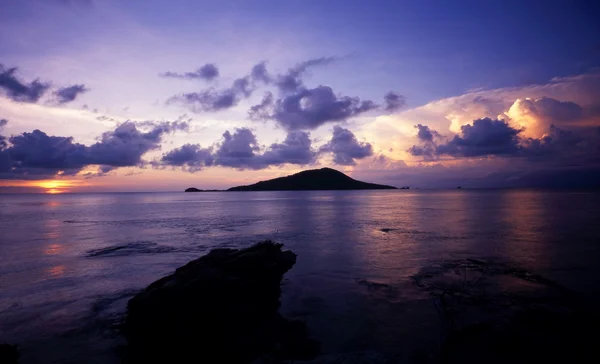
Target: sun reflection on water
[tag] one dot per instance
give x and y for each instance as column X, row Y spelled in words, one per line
column 57, row 271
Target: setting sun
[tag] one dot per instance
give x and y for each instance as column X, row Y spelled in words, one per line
column 51, row 186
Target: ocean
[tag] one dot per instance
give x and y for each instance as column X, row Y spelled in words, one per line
column 70, row 262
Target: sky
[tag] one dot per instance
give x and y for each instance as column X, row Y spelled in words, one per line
column 114, row 95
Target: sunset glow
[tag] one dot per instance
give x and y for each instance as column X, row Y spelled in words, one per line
column 213, row 114
column 52, row 186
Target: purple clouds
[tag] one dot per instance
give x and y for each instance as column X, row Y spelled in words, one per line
column 207, row 72
column 241, row 150
column 21, row 91
column 69, row 93
column 346, row 148
column 393, row 101
column 309, row 108
column 18, row 90
column 39, row 154
column 296, row 106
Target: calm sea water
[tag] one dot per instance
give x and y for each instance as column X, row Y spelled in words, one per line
column 69, row 263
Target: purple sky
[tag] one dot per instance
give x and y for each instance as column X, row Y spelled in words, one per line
column 161, row 95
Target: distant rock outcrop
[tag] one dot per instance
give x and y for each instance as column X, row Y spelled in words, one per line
column 314, row 179
column 193, row 189
column 220, row 308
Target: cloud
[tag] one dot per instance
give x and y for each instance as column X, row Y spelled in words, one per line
column 393, row 101
column 259, row 73
column 490, row 137
column 425, row 133
column 295, row 149
column 427, row 151
column 291, row 81
column 309, row 108
column 213, row 99
column 189, row 157
column 537, row 115
column 346, row 148
column 237, row 149
column 69, row 93
column 241, row 150
column 485, row 137
column 36, row 153
column 18, row 90
column 207, row 72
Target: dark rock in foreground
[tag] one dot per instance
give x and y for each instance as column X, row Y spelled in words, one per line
column 314, row 179
column 222, row 307
column 8, row 354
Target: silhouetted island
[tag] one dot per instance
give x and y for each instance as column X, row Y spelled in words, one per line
column 314, row 179
column 194, row 189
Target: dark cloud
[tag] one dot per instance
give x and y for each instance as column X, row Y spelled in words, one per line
column 189, row 157
column 309, row 108
column 207, row 72
column 425, row 133
column 291, row 81
column 263, row 110
column 485, row 137
column 241, row 150
column 126, row 145
column 69, row 93
column 559, row 148
column 37, row 153
column 346, row 148
column 295, row 149
column 393, row 101
column 238, row 149
column 427, row 151
column 216, row 100
column 18, row 90
column 259, row 73
column 213, row 99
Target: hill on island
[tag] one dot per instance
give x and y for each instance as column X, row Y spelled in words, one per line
column 314, row 179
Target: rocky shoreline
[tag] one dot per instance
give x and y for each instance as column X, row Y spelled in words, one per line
column 222, row 307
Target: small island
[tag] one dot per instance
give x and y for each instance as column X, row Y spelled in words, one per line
column 324, row 179
column 311, row 180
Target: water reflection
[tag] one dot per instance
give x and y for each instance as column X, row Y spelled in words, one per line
column 526, row 230
column 54, row 249
column 57, row 271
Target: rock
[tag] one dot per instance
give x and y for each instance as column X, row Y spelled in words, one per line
column 222, row 307
column 8, row 354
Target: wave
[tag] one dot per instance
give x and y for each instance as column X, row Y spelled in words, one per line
column 138, row 247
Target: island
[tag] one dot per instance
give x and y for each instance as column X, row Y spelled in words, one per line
column 310, row 180
column 194, row 189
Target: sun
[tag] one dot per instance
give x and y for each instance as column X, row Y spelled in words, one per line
column 49, row 186
column 55, row 186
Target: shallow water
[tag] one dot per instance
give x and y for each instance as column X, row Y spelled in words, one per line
column 69, row 263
